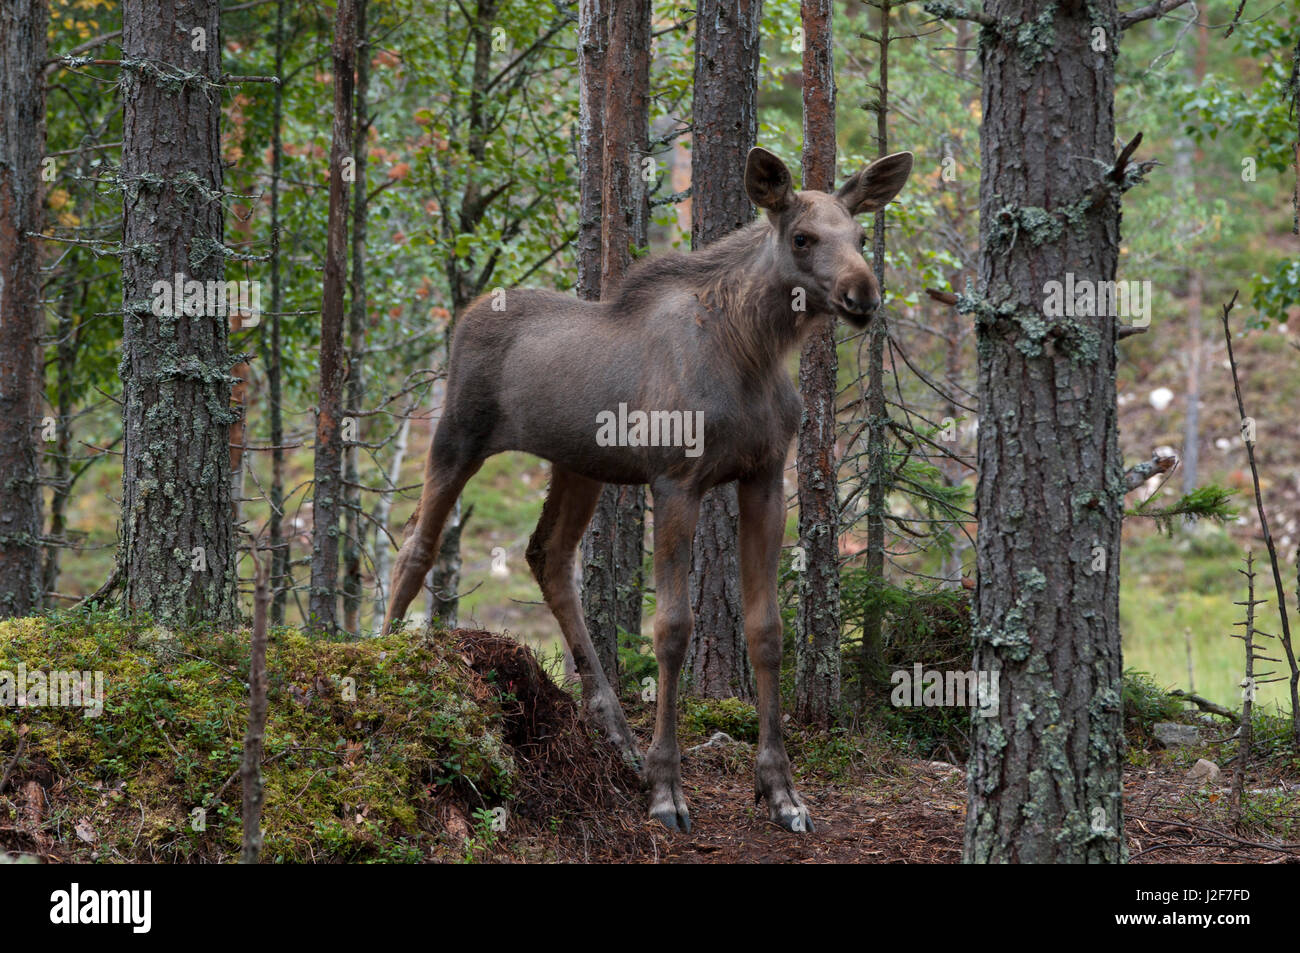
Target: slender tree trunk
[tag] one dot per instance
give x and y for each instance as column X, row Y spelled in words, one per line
column 614, row 542
column 1185, row 168
column 1044, row 779
column 250, row 767
column 328, row 497
column 382, row 549
column 240, row 398
column 465, row 284
column 22, row 148
column 65, row 363
column 599, row 583
column 726, row 126
column 279, row 581
column 444, row 582
column 955, row 349
column 879, row 464
column 178, row 542
column 817, row 620
column 593, row 41
column 356, row 382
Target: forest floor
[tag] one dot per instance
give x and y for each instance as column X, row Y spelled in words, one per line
column 458, row 747
column 872, row 802
column 917, row 816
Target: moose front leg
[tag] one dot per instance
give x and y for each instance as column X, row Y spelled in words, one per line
column 762, row 522
column 676, row 510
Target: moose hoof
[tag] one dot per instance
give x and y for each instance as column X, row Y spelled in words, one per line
column 632, row 757
column 672, row 816
column 795, row 819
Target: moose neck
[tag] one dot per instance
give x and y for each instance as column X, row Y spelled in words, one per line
column 743, row 279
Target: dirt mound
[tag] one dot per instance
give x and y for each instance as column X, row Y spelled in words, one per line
column 566, row 770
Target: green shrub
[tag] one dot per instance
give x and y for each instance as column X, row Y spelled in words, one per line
column 704, row 716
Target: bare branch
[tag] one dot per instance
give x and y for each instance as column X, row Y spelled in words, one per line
column 1150, row 11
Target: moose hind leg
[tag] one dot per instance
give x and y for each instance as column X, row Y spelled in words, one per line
column 443, row 480
column 762, row 520
column 552, row 552
column 676, row 512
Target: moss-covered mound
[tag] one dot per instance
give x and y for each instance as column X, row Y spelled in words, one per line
column 370, row 746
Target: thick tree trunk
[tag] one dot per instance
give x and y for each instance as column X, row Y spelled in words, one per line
column 817, row 620
column 356, row 382
column 22, row 147
column 726, row 126
column 1045, row 770
column 613, row 545
column 178, row 543
column 327, row 500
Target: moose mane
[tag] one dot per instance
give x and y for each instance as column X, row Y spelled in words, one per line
column 725, row 278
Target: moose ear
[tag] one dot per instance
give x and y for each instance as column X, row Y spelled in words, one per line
column 871, row 189
column 767, row 181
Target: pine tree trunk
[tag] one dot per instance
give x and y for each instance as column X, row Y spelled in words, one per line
column 327, row 499
column 817, row 620
column 879, row 465
column 22, row 147
column 1186, row 161
column 65, row 363
column 271, row 353
column 356, row 382
column 465, row 285
column 613, row 545
column 1044, row 778
column 444, row 578
column 178, row 542
column 383, row 549
column 598, row 580
column 726, row 126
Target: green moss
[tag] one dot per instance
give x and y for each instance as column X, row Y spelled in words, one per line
column 703, row 716
column 360, row 737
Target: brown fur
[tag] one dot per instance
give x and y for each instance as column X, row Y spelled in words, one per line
column 705, row 332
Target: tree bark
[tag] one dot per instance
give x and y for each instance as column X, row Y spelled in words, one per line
column 178, row 542
column 382, row 549
column 817, row 619
column 1185, row 168
column 726, row 127
column 465, row 284
column 250, row 762
column 327, row 500
column 1044, row 779
column 272, row 354
column 356, row 383
column 613, row 546
column 22, row 147
column 879, row 465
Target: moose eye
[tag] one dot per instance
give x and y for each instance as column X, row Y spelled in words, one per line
column 800, row 240
column 862, row 240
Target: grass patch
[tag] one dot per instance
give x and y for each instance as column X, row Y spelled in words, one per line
column 361, row 740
